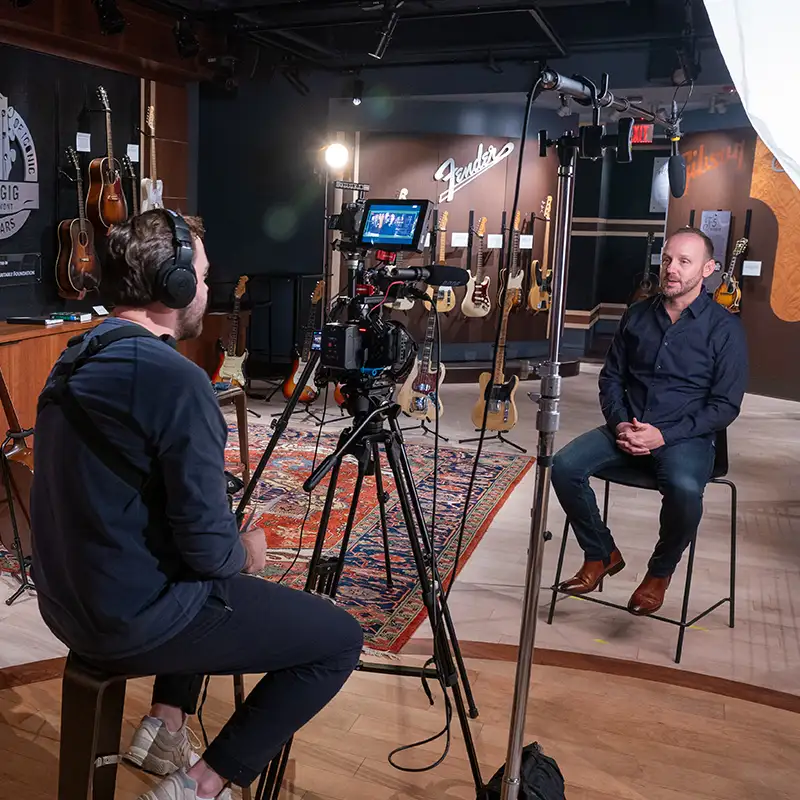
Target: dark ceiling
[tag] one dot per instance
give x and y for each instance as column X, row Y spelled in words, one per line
column 341, row 34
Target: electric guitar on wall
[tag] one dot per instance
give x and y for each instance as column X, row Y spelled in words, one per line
column 495, row 390
column 728, row 293
column 152, row 187
column 648, row 286
column 310, row 391
column 419, row 396
column 401, row 303
column 541, row 276
column 517, row 273
column 106, row 204
column 231, row 366
column 77, row 266
column 476, row 302
column 445, row 295
column 130, row 175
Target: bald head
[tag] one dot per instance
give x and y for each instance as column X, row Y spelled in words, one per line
column 687, row 258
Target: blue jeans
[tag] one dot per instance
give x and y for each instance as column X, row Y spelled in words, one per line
column 682, row 471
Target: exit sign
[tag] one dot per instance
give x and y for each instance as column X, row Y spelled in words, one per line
column 642, row 133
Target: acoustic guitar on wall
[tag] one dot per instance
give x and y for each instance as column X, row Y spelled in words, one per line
column 77, row 265
column 476, row 302
column 729, row 293
column 542, row 275
column 310, row 391
column 445, row 295
column 152, row 187
column 419, row 396
column 495, row 391
column 648, row 286
column 231, row 365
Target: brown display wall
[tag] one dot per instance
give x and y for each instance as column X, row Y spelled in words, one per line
column 733, row 170
column 391, row 162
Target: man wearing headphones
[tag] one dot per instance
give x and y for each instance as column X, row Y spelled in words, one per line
column 137, row 556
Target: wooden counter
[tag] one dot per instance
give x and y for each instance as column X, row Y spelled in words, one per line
column 27, row 354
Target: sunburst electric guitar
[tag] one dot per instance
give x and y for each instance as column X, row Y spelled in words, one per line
column 152, row 187
column 419, row 396
column 231, row 366
column 476, row 302
column 310, row 391
column 541, row 276
column 444, row 296
column 728, row 293
column 495, row 391
column 517, row 273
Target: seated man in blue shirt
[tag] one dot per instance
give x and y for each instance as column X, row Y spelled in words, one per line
column 144, row 577
column 674, row 376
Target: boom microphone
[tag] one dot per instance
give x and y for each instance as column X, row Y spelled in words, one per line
column 433, row 275
column 677, row 171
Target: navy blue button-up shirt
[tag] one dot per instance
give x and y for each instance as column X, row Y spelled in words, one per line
column 687, row 378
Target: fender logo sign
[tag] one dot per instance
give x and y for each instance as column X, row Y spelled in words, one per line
column 457, row 178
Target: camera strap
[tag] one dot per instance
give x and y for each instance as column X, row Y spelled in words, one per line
column 78, row 352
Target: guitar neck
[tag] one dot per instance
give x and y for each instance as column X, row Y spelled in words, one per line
column 479, row 262
column 546, row 248
column 109, row 142
column 135, row 194
column 309, row 337
column 233, row 338
column 441, row 245
column 153, row 172
column 501, row 347
column 427, row 348
column 81, row 205
column 515, row 253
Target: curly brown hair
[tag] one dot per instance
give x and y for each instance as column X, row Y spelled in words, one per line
column 135, row 250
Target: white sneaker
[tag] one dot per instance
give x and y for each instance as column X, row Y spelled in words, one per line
column 154, row 749
column 178, row 786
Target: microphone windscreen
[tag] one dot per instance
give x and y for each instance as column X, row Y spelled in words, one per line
column 444, row 275
column 677, row 175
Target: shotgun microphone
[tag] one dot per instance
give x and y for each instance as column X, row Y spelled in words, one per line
column 433, row 275
column 677, row 170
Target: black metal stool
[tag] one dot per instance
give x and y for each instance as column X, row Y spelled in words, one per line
column 640, row 479
column 92, row 702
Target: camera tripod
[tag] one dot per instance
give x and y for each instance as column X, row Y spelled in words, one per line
column 375, row 424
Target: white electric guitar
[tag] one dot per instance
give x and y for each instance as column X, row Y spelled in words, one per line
column 476, row 302
column 517, row 273
column 152, row 187
column 445, row 295
column 231, row 366
column 402, row 303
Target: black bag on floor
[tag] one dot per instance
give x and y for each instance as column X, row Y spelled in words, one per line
column 540, row 777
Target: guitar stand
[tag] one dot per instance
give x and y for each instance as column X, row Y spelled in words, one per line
column 423, row 425
column 342, row 416
column 499, row 436
column 306, row 410
column 26, row 586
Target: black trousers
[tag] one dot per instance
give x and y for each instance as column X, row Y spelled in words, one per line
column 307, row 646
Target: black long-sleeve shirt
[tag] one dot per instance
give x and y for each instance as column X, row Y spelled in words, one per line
column 117, row 576
column 687, row 379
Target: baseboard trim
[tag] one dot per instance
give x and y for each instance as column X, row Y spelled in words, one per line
column 35, row 672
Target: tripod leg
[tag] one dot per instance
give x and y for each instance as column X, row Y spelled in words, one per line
column 351, row 518
column 323, row 527
column 382, row 509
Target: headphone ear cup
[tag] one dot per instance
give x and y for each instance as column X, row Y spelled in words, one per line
column 177, row 287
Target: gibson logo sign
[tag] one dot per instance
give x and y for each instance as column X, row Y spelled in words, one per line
column 457, row 178
column 17, row 198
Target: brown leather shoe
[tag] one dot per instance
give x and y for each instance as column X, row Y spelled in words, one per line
column 649, row 597
column 591, row 573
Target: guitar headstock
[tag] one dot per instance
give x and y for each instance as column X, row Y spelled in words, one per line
column 481, row 232
column 547, row 206
column 127, row 168
column 73, row 159
column 443, row 221
column 319, row 291
column 103, row 95
column 150, row 120
column 740, row 247
column 241, row 287
column 517, row 221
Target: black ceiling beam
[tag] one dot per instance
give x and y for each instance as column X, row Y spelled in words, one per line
column 548, row 31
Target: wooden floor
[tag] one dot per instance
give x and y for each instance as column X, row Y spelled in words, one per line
column 615, row 738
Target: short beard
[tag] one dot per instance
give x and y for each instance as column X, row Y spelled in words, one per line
column 190, row 323
column 684, row 289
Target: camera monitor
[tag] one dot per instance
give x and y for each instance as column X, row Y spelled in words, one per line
column 395, row 225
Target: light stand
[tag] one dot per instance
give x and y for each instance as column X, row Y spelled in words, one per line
column 590, row 143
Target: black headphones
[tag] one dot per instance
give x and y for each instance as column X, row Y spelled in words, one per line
column 176, row 280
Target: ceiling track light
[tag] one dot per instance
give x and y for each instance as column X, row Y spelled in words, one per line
column 185, row 38
column 112, row 22
column 386, row 31
column 358, row 91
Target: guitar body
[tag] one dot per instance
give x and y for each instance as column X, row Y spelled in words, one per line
column 535, row 292
column 646, row 290
column 230, row 369
column 476, row 302
column 310, row 392
column 152, row 194
column 77, row 267
column 106, row 204
column 515, row 287
column 338, row 396
column 728, row 294
column 20, row 467
column 420, row 399
column 501, row 399
column 443, row 296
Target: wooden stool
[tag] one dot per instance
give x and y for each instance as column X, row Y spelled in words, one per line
column 92, row 702
column 237, row 396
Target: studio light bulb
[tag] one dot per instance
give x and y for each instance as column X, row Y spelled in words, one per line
column 337, row 155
